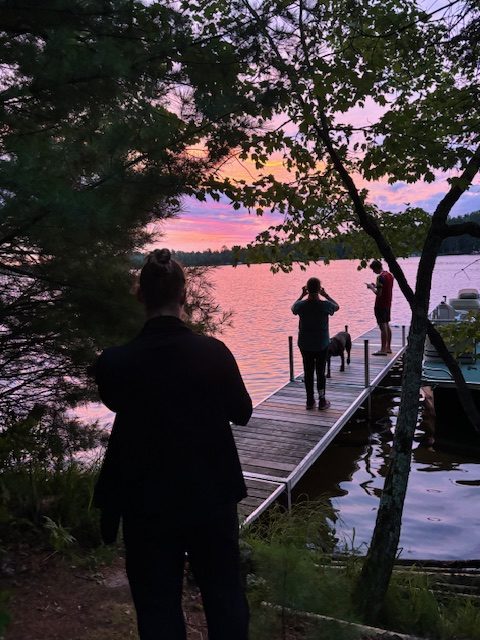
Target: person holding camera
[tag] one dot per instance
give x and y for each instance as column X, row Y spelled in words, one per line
column 313, row 337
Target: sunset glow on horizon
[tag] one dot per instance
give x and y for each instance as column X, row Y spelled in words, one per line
column 211, row 225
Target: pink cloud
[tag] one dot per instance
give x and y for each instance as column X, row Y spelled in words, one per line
column 210, row 225
column 214, row 224
column 237, row 169
column 421, row 194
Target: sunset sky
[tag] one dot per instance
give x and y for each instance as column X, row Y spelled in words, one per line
column 210, row 225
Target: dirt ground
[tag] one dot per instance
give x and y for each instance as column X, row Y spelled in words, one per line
column 50, row 598
column 53, row 599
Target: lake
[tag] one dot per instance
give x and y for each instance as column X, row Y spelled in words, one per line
column 442, row 511
column 263, row 321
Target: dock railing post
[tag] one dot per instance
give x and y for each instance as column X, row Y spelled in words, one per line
column 367, row 363
column 403, row 335
column 290, row 358
column 366, row 356
column 289, row 496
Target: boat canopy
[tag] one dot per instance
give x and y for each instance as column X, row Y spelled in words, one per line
column 467, row 300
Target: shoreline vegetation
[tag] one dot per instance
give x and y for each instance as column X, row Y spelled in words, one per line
column 56, row 574
column 332, row 249
column 297, row 588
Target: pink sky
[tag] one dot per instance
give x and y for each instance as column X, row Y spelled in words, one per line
column 211, row 225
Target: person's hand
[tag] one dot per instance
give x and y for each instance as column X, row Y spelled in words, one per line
column 370, row 285
column 304, row 290
column 322, row 292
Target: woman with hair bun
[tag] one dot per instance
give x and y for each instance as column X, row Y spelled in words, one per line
column 171, row 469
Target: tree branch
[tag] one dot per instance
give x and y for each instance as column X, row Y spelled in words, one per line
column 439, row 222
column 458, row 188
column 9, row 237
column 465, row 228
column 369, row 225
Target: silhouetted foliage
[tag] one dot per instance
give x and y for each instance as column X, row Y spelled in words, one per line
column 101, row 103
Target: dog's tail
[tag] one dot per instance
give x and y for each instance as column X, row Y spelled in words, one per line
column 346, row 328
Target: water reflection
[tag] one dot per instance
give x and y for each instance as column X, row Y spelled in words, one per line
column 441, row 515
column 469, row 483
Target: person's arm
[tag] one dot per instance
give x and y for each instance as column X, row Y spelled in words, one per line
column 239, row 403
column 301, row 296
column 108, row 386
column 323, row 293
column 376, row 288
column 106, row 492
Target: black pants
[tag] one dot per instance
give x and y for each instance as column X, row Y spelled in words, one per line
column 155, row 554
column 314, row 361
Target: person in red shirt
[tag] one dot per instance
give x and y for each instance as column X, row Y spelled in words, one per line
column 383, row 304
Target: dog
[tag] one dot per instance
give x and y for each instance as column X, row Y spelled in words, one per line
column 339, row 344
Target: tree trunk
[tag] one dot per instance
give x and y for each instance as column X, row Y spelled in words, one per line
column 378, row 565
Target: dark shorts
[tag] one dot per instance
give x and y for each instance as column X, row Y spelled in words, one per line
column 382, row 314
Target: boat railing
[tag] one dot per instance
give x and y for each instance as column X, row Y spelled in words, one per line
column 432, row 370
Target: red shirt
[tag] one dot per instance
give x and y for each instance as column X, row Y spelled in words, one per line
column 384, row 299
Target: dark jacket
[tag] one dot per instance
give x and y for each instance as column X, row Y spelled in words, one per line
column 171, row 446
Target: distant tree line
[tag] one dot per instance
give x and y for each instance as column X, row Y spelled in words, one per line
column 248, row 255
column 464, row 243
column 333, row 249
column 210, row 258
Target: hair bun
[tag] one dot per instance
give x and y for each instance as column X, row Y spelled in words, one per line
column 160, row 256
column 162, row 280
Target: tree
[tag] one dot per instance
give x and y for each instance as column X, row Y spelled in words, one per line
column 409, row 80
column 101, row 104
column 462, row 243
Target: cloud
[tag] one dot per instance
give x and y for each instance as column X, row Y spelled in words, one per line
column 421, row 194
column 238, row 169
column 210, row 225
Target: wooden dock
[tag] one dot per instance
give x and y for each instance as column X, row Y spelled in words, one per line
column 283, row 439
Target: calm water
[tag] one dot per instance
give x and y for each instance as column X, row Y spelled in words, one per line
column 263, row 321
column 442, row 513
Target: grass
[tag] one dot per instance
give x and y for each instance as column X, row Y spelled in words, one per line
column 53, row 505
column 292, row 569
column 287, row 559
column 413, row 607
